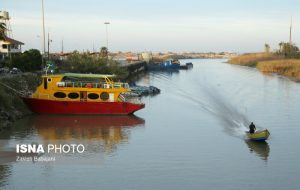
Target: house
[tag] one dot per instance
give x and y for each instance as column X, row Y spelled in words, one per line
column 9, row 47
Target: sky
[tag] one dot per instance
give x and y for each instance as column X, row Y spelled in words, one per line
column 155, row 25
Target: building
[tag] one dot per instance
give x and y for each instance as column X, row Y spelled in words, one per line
column 9, row 47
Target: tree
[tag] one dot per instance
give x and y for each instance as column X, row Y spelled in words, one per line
column 267, row 48
column 280, row 46
column 2, row 29
column 288, row 49
column 104, row 52
column 30, row 60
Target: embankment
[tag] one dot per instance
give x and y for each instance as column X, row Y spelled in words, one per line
column 11, row 106
column 270, row 63
column 286, row 67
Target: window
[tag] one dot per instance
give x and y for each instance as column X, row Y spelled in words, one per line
column 93, row 96
column 59, row 95
column 4, row 46
column 73, row 95
column 104, row 96
column 49, row 79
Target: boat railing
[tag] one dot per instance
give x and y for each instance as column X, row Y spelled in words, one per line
column 92, row 85
column 132, row 99
column 41, row 96
column 122, row 98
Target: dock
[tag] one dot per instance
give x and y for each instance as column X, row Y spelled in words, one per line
column 135, row 67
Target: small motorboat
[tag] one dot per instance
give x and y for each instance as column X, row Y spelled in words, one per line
column 260, row 135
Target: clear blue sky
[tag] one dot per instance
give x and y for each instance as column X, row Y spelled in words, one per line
column 156, row 25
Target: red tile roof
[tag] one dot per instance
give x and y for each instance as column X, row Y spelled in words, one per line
column 12, row 41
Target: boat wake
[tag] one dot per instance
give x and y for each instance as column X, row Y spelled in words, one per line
column 208, row 98
column 231, row 118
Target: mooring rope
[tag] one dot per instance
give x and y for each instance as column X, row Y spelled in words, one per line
column 14, row 90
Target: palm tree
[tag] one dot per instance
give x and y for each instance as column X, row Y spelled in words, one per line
column 2, row 29
column 104, row 52
column 267, row 48
column 281, row 46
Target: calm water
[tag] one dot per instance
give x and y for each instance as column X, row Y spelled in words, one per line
column 191, row 136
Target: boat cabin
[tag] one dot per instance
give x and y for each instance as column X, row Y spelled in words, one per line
column 81, row 87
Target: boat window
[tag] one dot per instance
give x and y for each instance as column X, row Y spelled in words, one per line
column 93, row 96
column 73, row 95
column 45, row 83
column 49, row 79
column 59, row 95
column 104, row 96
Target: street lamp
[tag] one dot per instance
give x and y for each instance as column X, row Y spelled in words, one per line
column 106, row 24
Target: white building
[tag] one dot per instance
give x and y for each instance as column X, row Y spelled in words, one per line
column 9, row 47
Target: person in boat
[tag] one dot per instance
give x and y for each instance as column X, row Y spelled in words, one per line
column 252, row 128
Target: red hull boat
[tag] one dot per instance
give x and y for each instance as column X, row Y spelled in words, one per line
column 43, row 106
column 72, row 93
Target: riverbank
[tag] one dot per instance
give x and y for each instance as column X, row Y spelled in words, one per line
column 270, row 63
column 12, row 107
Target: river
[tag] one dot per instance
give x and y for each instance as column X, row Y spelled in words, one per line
column 190, row 136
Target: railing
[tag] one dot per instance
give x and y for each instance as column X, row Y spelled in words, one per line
column 93, row 85
column 132, row 99
column 41, row 96
column 122, row 98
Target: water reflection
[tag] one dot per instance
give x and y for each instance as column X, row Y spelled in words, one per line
column 112, row 130
column 5, row 172
column 100, row 134
column 260, row 148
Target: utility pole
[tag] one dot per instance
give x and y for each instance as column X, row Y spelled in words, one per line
column 106, row 23
column 48, row 46
column 49, row 41
column 291, row 31
column 44, row 38
column 62, row 46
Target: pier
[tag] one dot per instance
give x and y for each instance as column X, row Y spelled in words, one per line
column 135, row 67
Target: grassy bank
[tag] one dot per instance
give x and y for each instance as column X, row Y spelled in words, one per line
column 270, row 63
column 252, row 59
column 11, row 106
column 285, row 67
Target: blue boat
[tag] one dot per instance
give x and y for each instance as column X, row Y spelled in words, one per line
column 187, row 66
column 164, row 65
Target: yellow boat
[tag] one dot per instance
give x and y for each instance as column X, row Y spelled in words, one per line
column 260, row 135
column 73, row 93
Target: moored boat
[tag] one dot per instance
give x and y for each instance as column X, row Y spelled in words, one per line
column 144, row 90
column 260, row 135
column 186, row 66
column 169, row 64
column 72, row 93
